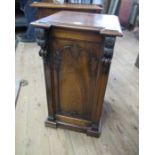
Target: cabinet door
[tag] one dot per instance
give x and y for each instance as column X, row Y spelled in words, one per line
column 75, row 65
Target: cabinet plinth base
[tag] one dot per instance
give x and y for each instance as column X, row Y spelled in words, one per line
column 87, row 130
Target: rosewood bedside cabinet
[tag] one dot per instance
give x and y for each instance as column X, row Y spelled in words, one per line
column 77, row 50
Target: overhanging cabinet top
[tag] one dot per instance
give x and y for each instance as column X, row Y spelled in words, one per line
column 104, row 24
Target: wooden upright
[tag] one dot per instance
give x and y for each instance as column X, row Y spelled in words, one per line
column 77, row 50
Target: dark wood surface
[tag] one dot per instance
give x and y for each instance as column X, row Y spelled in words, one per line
column 76, row 64
column 104, row 24
column 47, row 8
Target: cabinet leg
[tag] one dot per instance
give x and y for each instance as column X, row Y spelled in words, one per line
column 94, row 131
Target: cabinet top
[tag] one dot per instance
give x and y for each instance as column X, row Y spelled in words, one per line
column 104, row 24
column 66, row 6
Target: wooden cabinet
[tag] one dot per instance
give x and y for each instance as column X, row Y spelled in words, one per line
column 77, row 50
column 47, row 8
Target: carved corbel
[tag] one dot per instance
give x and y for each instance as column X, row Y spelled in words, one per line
column 41, row 38
column 106, row 58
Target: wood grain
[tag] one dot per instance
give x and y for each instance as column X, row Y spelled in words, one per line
column 104, row 24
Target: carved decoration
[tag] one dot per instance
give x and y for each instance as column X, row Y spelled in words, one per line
column 42, row 42
column 57, row 60
column 93, row 62
column 75, row 52
column 109, row 43
column 106, row 65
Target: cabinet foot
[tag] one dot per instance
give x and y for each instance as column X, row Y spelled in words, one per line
column 93, row 133
column 52, row 124
column 95, row 130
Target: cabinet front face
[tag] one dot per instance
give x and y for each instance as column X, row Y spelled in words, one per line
column 76, row 70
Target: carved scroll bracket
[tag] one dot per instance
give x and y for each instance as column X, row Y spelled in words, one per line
column 41, row 38
column 109, row 43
